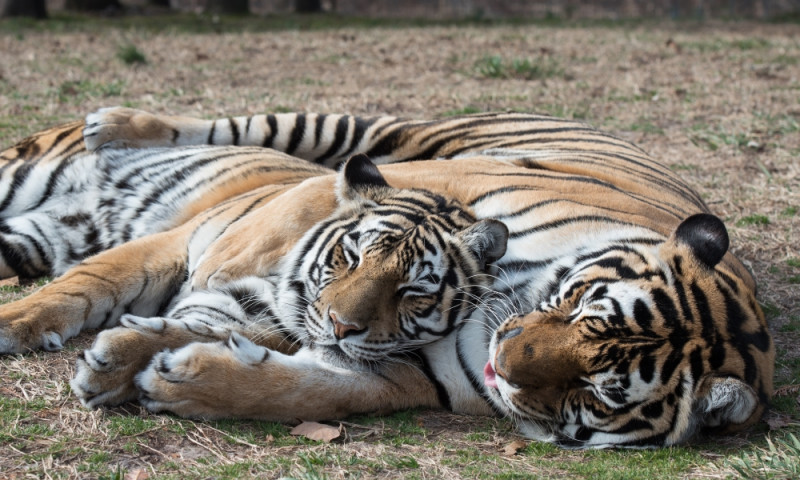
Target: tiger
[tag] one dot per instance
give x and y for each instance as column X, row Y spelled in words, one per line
column 616, row 316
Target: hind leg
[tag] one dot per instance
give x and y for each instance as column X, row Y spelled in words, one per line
column 118, row 127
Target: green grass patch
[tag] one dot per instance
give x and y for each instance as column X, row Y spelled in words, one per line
column 770, row 310
column 494, row 66
column 130, row 425
column 793, row 325
column 755, row 219
column 755, row 43
column 622, row 465
column 779, row 459
column 646, row 126
column 79, row 91
column 789, row 211
column 130, row 55
column 713, row 140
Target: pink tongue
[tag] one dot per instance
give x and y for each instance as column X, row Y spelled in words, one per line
column 488, row 376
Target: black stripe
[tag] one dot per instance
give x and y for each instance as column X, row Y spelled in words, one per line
column 441, row 390
column 298, row 132
column 234, row 132
column 210, row 139
column 272, row 122
column 339, row 137
column 361, row 126
column 318, row 129
column 20, row 175
column 55, row 175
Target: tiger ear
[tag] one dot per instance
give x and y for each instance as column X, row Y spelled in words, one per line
column 706, row 236
column 360, row 179
column 729, row 402
column 487, row 239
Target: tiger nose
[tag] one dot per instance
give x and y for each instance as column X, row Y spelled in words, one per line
column 341, row 328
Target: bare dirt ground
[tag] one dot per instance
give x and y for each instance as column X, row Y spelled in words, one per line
column 719, row 102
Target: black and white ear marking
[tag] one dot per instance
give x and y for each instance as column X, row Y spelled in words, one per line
column 706, row 235
column 358, row 177
column 487, row 239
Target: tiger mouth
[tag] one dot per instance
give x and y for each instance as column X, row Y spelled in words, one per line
column 490, row 376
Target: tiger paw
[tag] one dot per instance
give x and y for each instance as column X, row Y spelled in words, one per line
column 24, row 328
column 119, row 127
column 104, row 374
column 210, row 380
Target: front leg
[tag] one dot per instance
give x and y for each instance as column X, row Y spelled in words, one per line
column 104, row 373
column 240, row 379
column 139, row 277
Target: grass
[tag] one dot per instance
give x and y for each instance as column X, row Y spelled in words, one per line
column 607, row 73
column 494, row 66
column 779, row 459
column 130, row 55
column 755, row 219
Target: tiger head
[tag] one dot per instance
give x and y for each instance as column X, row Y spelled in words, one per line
column 390, row 270
column 638, row 346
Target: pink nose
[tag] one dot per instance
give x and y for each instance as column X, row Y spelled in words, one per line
column 489, row 377
column 341, row 329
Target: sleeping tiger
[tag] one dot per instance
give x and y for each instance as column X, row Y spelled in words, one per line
column 598, row 304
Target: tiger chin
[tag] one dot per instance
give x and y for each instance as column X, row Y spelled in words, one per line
column 608, row 310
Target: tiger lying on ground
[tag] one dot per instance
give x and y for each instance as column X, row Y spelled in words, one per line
column 616, row 316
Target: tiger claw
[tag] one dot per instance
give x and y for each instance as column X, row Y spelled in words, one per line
column 52, row 341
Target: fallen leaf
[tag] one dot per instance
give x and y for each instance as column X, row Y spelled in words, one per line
column 777, row 421
column 514, row 447
column 317, row 431
column 786, row 390
column 673, row 46
column 136, row 474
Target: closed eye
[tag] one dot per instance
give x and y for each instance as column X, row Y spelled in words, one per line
column 413, row 290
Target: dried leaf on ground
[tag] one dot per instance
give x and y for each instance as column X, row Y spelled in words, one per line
column 777, row 421
column 514, row 447
column 317, row 431
column 136, row 474
column 787, row 390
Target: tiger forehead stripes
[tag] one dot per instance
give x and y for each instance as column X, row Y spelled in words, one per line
column 616, row 316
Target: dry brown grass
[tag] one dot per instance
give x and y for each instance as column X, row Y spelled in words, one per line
column 719, row 102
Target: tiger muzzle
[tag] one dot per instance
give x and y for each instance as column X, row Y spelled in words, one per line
column 536, row 351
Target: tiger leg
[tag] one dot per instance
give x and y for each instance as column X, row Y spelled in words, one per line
column 139, row 277
column 118, row 127
column 104, row 374
column 237, row 378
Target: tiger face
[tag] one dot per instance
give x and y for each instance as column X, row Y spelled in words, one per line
column 637, row 347
column 391, row 270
